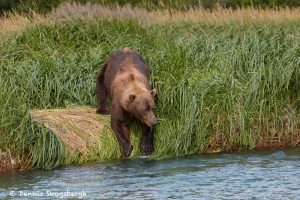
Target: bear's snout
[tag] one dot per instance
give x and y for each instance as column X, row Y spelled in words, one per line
column 151, row 122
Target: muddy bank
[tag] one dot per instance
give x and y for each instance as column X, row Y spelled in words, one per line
column 10, row 162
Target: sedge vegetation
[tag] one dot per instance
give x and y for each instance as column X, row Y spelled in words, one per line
column 225, row 79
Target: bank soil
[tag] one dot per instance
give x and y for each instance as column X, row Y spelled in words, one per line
column 10, row 162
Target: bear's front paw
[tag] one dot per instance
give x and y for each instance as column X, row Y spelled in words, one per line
column 126, row 150
column 103, row 111
column 147, row 149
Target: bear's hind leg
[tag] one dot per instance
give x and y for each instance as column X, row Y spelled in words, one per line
column 122, row 132
column 101, row 95
column 147, row 147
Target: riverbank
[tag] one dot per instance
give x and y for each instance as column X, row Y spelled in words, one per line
column 227, row 80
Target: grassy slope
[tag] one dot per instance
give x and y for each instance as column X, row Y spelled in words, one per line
column 221, row 86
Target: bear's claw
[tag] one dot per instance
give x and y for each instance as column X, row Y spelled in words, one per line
column 103, row 111
column 126, row 150
column 147, row 149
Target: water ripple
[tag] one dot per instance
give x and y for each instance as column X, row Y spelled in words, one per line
column 264, row 175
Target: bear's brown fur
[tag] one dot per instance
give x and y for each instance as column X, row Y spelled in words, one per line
column 125, row 78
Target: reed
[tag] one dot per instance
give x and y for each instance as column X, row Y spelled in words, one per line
column 221, row 86
column 89, row 11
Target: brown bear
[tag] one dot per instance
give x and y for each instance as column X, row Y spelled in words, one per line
column 125, row 78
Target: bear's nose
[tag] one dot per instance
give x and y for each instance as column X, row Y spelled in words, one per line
column 155, row 122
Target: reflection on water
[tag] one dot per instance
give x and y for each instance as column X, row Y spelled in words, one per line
column 263, row 175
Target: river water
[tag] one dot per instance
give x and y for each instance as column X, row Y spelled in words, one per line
column 254, row 175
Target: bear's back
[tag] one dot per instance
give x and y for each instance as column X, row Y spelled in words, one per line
column 125, row 66
column 124, row 59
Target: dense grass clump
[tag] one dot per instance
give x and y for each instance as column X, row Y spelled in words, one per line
column 221, row 87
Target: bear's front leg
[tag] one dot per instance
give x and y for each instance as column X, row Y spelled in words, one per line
column 122, row 132
column 147, row 147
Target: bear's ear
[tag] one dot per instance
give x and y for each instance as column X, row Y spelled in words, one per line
column 131, row 97
column 153, row 92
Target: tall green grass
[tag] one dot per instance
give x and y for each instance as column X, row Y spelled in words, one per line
column 220, row 87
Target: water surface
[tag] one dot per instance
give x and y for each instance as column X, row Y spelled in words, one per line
column 255, row 175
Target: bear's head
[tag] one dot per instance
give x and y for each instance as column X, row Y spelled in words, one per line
column 141, row 105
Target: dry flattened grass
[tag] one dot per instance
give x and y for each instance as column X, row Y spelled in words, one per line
column 79, row 128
